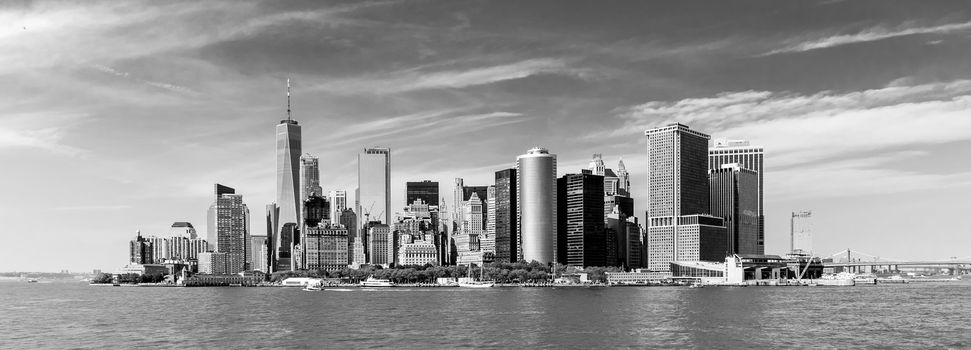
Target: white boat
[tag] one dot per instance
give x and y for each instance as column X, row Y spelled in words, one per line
column 842, row 279
column 696, row 285
column 375, row 282
column 313, row 287
column 476, row 284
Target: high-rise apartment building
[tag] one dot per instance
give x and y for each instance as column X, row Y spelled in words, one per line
column 734, row 197
column 536, row 196
column 229, row 226
column 746, row 156
column 349, row 220
column 288, row 149
column 582, row 239
column 272, row 236
column 425, row 190
column 140, row 250
column 374, row 185
column 259, row 253
column 380, row 245
column 678, row 224
column 338, row 202
column 183, row 229
column 214, row 263
column 505, row 219
column 801, row 233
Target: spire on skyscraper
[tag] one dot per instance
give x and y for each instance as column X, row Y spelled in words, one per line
column 288, row 99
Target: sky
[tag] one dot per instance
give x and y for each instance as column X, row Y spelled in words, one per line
column 120, row 116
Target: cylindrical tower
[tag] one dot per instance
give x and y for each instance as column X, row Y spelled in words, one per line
column 536, row 197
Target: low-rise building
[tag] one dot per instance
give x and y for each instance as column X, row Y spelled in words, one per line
column 418, row 253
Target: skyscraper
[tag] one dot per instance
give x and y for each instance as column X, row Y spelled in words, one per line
column 801, row 233
column 679, row 228
column 374, row 185
column 229, row 226
column 536, row 195
column 582, row 238
column 288, row 150
column 505, row 218
column 426, row 190
column 259, row 253
column 309, row 177
column 749, row 157
column 349, row 220
column 338, row 202
column 140, row 250
column 734, row 193
column 272, row 236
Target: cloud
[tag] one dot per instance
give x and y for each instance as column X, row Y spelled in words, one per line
column 867, row 35
column 417, row 125
column 416, row 79
column 833, row 136
column 165, row 86
column 92, row 207
column 43, row 131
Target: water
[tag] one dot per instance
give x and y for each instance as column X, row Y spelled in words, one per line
column 67, row 315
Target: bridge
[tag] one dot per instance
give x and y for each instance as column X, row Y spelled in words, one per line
column 857, row 261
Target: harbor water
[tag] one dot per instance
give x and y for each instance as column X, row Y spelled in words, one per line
column 69, row 315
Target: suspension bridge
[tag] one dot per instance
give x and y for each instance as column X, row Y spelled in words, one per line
column 857, row 261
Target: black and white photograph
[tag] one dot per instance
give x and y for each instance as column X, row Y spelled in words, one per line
column 475, row 174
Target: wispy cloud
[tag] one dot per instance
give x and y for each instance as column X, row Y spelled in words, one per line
column 43, row 131
column 417, row 79
column 91, row 207
column 870, row 34
column 160, row 85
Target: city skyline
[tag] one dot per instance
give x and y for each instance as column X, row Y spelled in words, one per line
column 146, row 121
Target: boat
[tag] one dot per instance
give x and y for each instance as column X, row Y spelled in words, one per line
column 31, row 281
column 476, row 284
column 696, row 285
column 842, row 279
column 376, row 282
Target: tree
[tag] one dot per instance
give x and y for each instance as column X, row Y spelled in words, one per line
column 102, row 278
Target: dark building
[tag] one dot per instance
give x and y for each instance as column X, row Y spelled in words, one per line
column 734, row 197
column 582, row 238
column 625, row 204
column 289, row 237
column 425, row 190
column 315, row 210
column 140, row 250
column 507, row 244
column 349, row 220
column 271, row 236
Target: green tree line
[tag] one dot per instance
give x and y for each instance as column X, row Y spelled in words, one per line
column 519, row 272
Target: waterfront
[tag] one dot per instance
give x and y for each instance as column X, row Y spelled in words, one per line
column 69, row 315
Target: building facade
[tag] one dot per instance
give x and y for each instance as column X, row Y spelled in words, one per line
column 801, row 233
column 229, row 225
column 380, row 245
column 338, row 202
column 678, row 198
column 734, row 197
column 583, row 240
column 536, row 206
column 505, row 217
column 373, row 200
column 425, row 190
column 746, row 156
column 140, row 250
column 326, row 248
column 214, row 263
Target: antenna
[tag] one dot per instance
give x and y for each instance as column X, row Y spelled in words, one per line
column 288, row 99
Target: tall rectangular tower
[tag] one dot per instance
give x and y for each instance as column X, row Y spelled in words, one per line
column 309, row 177
column 749, row 157
column 734, row 193
column 374, row 185
column 679, row 228
column 507, row 241
column 229, row 219
column 581, row 210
